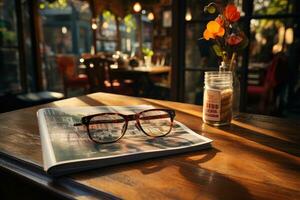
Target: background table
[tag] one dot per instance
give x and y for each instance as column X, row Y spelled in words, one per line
column 256, row 157
column 146, row 79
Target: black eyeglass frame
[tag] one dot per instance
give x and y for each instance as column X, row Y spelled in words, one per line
column 133, row 117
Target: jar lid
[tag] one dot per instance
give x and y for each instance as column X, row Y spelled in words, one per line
column 218, row 78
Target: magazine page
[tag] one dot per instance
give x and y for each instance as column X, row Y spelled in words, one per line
column 65, row 143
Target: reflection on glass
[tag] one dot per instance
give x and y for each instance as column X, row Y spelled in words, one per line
column 9, row 56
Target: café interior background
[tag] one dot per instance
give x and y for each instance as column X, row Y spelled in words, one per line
column 33, row 33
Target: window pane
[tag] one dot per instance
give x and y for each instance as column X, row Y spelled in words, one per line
column 194, row 87
column 128, row 28
column 198, row 53
column 195, row 8
column 9, row 55
column 28, row 53
column 107, row 34
column 65, row 29
column 199, row 58
column 272, row 7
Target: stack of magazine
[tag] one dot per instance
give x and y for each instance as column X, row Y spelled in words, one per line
column 67, row 148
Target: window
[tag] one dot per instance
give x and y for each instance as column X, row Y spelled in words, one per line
column 10, row 72
column 64, row 29
column 107, row 33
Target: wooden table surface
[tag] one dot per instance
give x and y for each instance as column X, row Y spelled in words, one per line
column 256, row 157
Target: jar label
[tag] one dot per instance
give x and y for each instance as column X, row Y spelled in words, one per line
column 212, row 105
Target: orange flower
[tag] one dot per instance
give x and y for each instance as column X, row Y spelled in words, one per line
column 231, row 13
column 234, row 39
column 213, row 29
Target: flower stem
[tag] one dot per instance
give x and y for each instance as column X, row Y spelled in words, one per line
column 231, row 66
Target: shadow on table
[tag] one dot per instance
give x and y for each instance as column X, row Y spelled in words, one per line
column 267, row 140
column 208, row 184
column 213, row 185
column 149, row 167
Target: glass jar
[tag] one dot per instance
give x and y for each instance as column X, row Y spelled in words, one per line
column 217, row 99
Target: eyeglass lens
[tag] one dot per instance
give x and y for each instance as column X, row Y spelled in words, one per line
column 155, row 123
column 106, row 128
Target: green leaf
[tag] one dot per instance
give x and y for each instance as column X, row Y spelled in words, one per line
column 217, row 50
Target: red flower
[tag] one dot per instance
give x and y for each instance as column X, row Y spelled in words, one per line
column 220, row 20
column 234, row 39
column 231, row 13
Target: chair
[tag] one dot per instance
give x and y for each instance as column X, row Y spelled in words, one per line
column 67, row 66
column 275, row 77
column 101, row 78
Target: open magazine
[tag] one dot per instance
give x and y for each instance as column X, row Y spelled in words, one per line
column 67, row 148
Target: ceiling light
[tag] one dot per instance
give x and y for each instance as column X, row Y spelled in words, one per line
column 94, row 26
column 137, row 7
column 150, row 16
column 188, row 15
column 105, row 25
column 64, row 30
column 289, row 36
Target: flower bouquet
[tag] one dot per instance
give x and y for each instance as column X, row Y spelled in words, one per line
column 228, row 39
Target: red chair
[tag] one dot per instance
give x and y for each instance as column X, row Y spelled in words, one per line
column 67, row 66
column 274, row 77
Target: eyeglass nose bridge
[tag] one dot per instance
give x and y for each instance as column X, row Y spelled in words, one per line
column 131, row 117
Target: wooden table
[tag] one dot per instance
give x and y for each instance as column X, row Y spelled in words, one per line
column 256, row 157
column 145, row 78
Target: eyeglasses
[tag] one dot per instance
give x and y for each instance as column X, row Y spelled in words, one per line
column 111, row 127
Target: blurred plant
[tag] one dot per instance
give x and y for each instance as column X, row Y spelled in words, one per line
column 225, row 33
column 130, row 23
column 7, row 36
column 272, row 7
column 108, row 16
column 53, row 4
column 147, row 52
